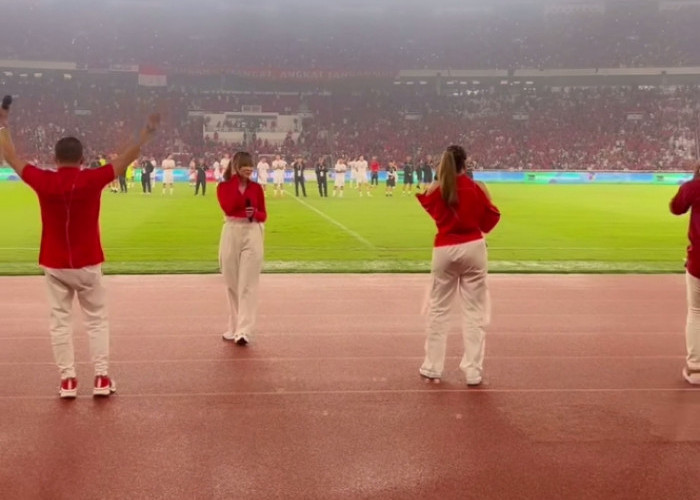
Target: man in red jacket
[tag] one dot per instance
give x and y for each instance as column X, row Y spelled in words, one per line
column 374, row 169
column 688, row 198
column 71, row 251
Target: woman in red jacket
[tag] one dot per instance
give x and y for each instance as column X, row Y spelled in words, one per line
column 463, row 213
column 241, row 246
column 687, row 198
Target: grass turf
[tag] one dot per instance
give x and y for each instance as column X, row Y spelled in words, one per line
column 560, row 228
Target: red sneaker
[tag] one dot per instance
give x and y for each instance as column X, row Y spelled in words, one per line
column 69, row 388
column 104, row 386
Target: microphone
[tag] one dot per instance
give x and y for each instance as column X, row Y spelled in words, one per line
column 6, row 101
column 247, row 205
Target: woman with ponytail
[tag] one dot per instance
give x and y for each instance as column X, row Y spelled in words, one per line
column 241, row 248
column 463, row 213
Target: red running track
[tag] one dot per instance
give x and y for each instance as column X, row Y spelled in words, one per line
column 583, row 395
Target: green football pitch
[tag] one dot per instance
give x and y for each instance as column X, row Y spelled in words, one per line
column 544, row 228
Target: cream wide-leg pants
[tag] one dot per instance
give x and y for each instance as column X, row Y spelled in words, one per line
column 86, row 283
column 241, row 259
column 692, row 330
column 458, row 269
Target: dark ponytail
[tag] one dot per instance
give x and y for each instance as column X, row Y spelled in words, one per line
column 452, row 163
column 240, row 159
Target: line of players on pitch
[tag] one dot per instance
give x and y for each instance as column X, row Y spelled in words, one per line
column 363, row 175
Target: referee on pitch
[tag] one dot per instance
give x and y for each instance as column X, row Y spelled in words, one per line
column 146, row 171
column 299, row 167
column 201, row 172
column 321, row 170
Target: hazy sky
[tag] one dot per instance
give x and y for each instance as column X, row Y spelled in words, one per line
column 291, row 3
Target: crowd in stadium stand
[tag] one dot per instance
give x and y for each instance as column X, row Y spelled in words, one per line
column 106, row 116
column 627, row 34
column 591, row 128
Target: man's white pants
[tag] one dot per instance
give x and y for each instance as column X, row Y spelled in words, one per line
column 86, row 283
column 692, row 330
column 458, row 268
column 241, row 259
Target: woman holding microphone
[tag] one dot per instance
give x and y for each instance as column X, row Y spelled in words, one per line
column 241, row 247
column 463, row 213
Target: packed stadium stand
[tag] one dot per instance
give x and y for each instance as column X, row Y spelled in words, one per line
column 224, row 83
column 496, row 34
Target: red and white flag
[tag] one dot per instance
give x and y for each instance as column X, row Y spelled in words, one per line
column 152, row 77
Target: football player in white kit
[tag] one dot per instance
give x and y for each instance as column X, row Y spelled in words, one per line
column 224, row 163
column 279, row 166
column 154, row 162
column 339, row 179
column 216, row 168
column 263, row 173
column 361, row 167
column 192, row 172
column 352, row 164
column 168, row 167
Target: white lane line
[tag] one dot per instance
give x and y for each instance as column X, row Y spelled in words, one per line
column 359, row 392
column 351, row 334
column 347, row 358
column 330, row 219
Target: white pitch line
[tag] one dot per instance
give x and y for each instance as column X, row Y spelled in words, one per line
column 412, row 249
column 350, row 392
column 595, row 249
column 330, row 219
column 346, row 358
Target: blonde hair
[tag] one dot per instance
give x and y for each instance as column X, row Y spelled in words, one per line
column 452, row 162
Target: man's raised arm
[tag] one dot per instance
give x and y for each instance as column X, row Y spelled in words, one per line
column 131, row 153
column 8, row 147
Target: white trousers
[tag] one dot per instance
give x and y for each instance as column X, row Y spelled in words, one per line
column 458, row 269
column 86, row 283
column 241, row 259
column 692, row 329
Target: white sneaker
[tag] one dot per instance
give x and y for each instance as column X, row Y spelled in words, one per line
column 473, row 376
column 229, row 336
column 429, row 377
column 691, row 376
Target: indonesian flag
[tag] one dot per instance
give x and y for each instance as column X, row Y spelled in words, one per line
column 152, row 77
